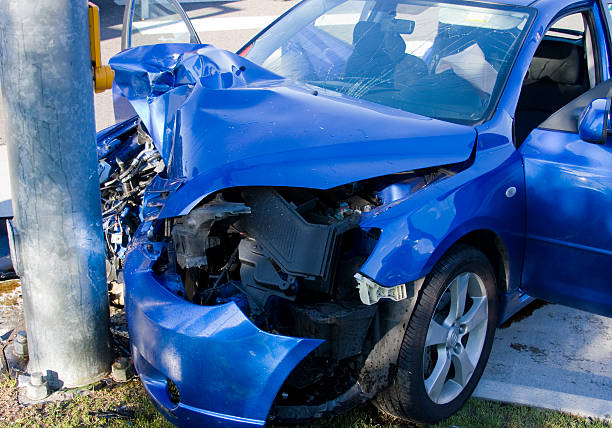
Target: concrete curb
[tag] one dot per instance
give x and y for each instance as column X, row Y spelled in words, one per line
column 578, row 405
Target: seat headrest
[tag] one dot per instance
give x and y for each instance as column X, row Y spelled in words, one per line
column 370, row 39
column 367, row 37
column 559, row 61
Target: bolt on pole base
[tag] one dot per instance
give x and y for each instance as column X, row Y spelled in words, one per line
column 16, row 354
column 122, row 370
column 37, row 387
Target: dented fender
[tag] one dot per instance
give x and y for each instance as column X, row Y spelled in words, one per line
column 417, row 230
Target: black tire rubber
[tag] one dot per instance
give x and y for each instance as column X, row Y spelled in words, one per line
column 406, row 397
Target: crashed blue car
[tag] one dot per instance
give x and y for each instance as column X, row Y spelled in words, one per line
column 348, row 207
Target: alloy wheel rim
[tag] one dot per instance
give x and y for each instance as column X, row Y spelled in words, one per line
column 455, row 337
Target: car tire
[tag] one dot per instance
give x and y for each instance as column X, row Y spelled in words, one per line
column 433, row 378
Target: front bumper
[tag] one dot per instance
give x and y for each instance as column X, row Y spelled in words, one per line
column 227, row 370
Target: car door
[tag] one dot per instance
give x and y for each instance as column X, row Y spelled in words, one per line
column 568, row 254
column 149, row 22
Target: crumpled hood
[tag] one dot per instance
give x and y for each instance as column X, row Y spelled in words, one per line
column 222, row 121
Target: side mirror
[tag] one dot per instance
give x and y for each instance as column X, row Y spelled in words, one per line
column 593, row 123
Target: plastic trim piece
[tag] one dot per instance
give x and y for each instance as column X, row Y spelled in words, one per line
column 370, row 292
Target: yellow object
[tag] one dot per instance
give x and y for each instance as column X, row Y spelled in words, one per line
column 103, row 75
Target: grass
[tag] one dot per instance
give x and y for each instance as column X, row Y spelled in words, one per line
column 81, row 412
column 475, row 414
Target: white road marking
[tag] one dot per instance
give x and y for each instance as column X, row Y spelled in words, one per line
column 153, row 27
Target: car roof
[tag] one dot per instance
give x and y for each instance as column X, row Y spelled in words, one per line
column 537, row 3
column 515, row 2
column 559, row 4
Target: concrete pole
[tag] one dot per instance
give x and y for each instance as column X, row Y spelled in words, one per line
column 47, row 90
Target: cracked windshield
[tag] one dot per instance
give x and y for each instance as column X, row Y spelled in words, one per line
column 442, row 60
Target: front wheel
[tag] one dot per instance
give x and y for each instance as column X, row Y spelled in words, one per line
column 448, row 340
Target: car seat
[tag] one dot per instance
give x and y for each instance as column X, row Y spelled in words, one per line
column 556, row 76
column 376, row 52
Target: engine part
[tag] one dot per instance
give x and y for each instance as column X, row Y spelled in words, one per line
column 127, row 165
column 299, row 248
column 258, row 271
column 191, row 234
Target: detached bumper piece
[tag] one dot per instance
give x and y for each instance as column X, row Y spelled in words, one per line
column 202, row 366
column 370, row 292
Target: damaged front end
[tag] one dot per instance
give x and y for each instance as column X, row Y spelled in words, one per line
column 251, row 307
column 245, row 294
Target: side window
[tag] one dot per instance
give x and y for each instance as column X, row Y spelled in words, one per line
column 156, row 21
column 562, row 69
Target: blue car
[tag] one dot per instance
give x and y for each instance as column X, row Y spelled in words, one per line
column 345, row 209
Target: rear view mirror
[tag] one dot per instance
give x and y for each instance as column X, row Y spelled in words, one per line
column 593, row 123
column 402, row 26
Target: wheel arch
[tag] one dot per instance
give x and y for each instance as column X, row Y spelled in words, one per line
column 493, row 247
column 487, row 241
